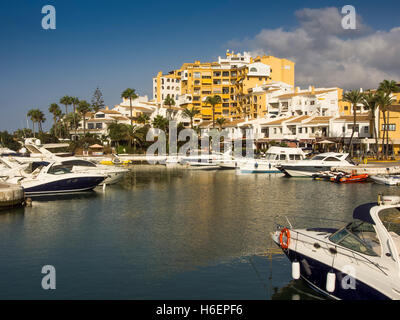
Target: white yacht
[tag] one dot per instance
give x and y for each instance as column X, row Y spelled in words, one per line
column 204, row 161
column 320, row 162
column 44, row 179
column 274, row 157
column 37, row 151
column 358, row 261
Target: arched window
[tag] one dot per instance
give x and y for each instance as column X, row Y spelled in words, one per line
column 253, row 69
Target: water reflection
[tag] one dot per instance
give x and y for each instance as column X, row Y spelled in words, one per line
column 167, row 233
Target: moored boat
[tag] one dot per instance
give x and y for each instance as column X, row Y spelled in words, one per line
column 357, row 261
column 389, row 180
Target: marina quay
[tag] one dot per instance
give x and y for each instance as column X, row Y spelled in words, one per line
column 190, row 162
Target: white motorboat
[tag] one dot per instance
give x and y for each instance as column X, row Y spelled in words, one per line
column 114, row 173
column 321, row 162
column 389, row 180
column 204, row 161
column 274, row 157
column 358, row 261
column 44, row 179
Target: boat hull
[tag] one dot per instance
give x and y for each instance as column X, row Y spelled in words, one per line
column 63, row 186
column 315, row 272
column 303, row 171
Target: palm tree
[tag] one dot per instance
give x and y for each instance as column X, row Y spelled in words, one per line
column 117, row 132
column 169, row 102
column 355, row 98
column 66, row 101
column 213, row 101
column 369, row 101
column 55, row 110
column 388, row 87
column 39, row 118
column 83, row 108
column 190, row 113
column 160, row 122
column 75, row 103
column 220, row 122
column 131, row 95
column 134, row 135
column 32, row 115
column 143, row 119
column 384, row 101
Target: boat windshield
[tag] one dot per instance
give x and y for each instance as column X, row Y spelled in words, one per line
column 391, row 220
column 271, row 156
column 359, row 236
column 318, row 158
column 79, row 163
column 58, row 169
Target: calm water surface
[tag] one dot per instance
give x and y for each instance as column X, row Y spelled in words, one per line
column 167, row 234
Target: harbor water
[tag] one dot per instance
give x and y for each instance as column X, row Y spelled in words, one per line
column 168, row 234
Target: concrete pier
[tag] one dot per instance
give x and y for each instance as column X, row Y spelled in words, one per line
column 11, row 195
column 370, row 169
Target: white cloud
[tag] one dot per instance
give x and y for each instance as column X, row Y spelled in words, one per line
column 328, row 55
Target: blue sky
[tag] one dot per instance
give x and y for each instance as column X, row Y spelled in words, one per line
column 119, row 44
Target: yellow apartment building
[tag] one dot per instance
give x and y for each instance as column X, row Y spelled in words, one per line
column 232, row 78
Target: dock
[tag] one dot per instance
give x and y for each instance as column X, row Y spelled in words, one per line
column 11, row 195
column 370, row 169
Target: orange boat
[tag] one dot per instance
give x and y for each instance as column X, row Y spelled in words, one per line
column 350, row 178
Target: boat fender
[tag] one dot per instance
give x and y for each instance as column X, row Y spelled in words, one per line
column 284, row 238
column 330, row 281
column 296, row 270
column 256, row 165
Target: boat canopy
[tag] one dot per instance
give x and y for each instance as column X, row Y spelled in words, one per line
column 362, row 212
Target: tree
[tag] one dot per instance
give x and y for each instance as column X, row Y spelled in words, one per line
column 117, row 132
column 355, row 98
column 384, row 101
column 40, row 118
column 169, row 102
column 75, row 103
column 66, row 101
column 23, row 133
column 190, row 113
column 8, row 141
column 31, row 115
column 143, row 119
column 213, row 101
column 130, row 94
column 160, row 122
column 388, row 87
column 370, row 102
column 55, row 110
column 83, row 108
column 97, row 100
column 220, row 122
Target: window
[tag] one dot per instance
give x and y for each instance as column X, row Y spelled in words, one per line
column 100, row 115
column 282, row 157
column 253, row 69
column 390, row 127
column 331, row 159
column 99, row 125
column 359, row 236
column 90, row 126
column 366, row 129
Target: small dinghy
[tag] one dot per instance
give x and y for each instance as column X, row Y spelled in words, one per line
column 350, row 178
column 386, row 179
